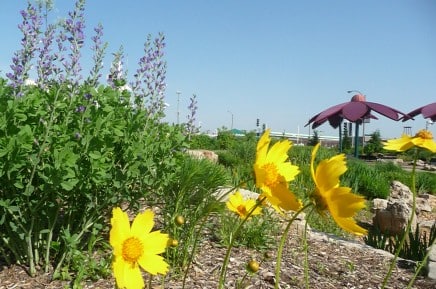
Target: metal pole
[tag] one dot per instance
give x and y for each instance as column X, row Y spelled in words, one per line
column 356, row 140
column 340, row 136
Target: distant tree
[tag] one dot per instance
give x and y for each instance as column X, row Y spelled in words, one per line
column 346, row 139
column 314, row 140
column 374, row 145
column 226, row 139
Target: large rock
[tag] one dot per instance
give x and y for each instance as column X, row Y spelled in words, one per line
column 203, row 154
column 391, row 217
column 431, row 262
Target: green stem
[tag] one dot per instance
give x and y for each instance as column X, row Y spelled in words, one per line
column 409, row 224
column 282, row 243
column 306, row 252
column 49, row 239
column 232, row 241
column 203, row 222
column 423, row 262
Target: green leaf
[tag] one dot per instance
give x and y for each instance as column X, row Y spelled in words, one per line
column 95, row 155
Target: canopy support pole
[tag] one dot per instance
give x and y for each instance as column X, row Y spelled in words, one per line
column 356, row 140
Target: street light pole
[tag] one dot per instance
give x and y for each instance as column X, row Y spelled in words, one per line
column 231, row 126
column 178, row 103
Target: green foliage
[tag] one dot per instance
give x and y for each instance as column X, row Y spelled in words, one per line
column 65, row 161
column 366, row 179
column 426, row 182
column 225, row 139
column 346, row 139
column 414, row 248
column 191, row 196
column 374, row 145
column 203, row 141
column 314, row 139
column 258, row 232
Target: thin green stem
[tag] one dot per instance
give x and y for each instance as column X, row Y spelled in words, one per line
column 282, row 243
column 306, row 251
column 203, row 222
column 232, row 241
column 423, row 262
column 409, row 224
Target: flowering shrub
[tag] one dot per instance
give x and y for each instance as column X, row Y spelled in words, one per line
column 70, row 149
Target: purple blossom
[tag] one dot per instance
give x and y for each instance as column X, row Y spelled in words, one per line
column 149, row 85
column 190, row 125
column 22, row 59
column 87, row 96
column 45, row 65
column 99, row 48
column 80, row 109
column 73, row 32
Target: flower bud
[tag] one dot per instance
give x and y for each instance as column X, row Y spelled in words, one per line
column 180, row 220
column 173, row 243
column 253, row 266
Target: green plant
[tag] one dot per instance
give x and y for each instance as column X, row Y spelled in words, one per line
column 374, row 145
column 191, row 196
column 71, row 150
column 258, row 233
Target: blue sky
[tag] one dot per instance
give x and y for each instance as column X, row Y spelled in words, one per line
column 279, row 61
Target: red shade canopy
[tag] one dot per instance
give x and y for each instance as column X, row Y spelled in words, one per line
column 354, row 110
column 427, row 111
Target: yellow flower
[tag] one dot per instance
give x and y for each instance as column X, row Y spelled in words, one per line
column 136, row 246
column 273, row 172
column 329, row 196
column 238, row 205
column 423, row 139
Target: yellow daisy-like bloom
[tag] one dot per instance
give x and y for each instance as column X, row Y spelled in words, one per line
column 273, row 173
column 329, row 196
column 238, row 205
column 136, row 246
column 423, row 139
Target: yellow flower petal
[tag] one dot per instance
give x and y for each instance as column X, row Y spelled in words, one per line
column 126, row 275
column 423, row 139
column 283, row 198
column 328, row 195
column 349, row 225
column 262, row 146
column 278, row 153
column 155, row 242
column 120, row 229
column 143, row 223
column 343, row 203
column 273, row 172
column 238, row 205
column 428, row 144
column 329, row 171
column 154, row 264
column 288, row 171
column 132, row 244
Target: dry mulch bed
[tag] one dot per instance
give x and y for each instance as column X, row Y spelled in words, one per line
column 333, row 263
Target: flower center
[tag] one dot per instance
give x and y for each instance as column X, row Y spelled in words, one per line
column 242, row 210
column 320, row 203
column 425, row 134
column 132, row 249
column 271, row 174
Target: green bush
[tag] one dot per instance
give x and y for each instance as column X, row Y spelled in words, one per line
column 65, row 162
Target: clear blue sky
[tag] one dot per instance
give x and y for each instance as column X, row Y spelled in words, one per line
column 279, row 61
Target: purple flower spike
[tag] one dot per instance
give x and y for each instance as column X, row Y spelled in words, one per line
column 22, row 59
